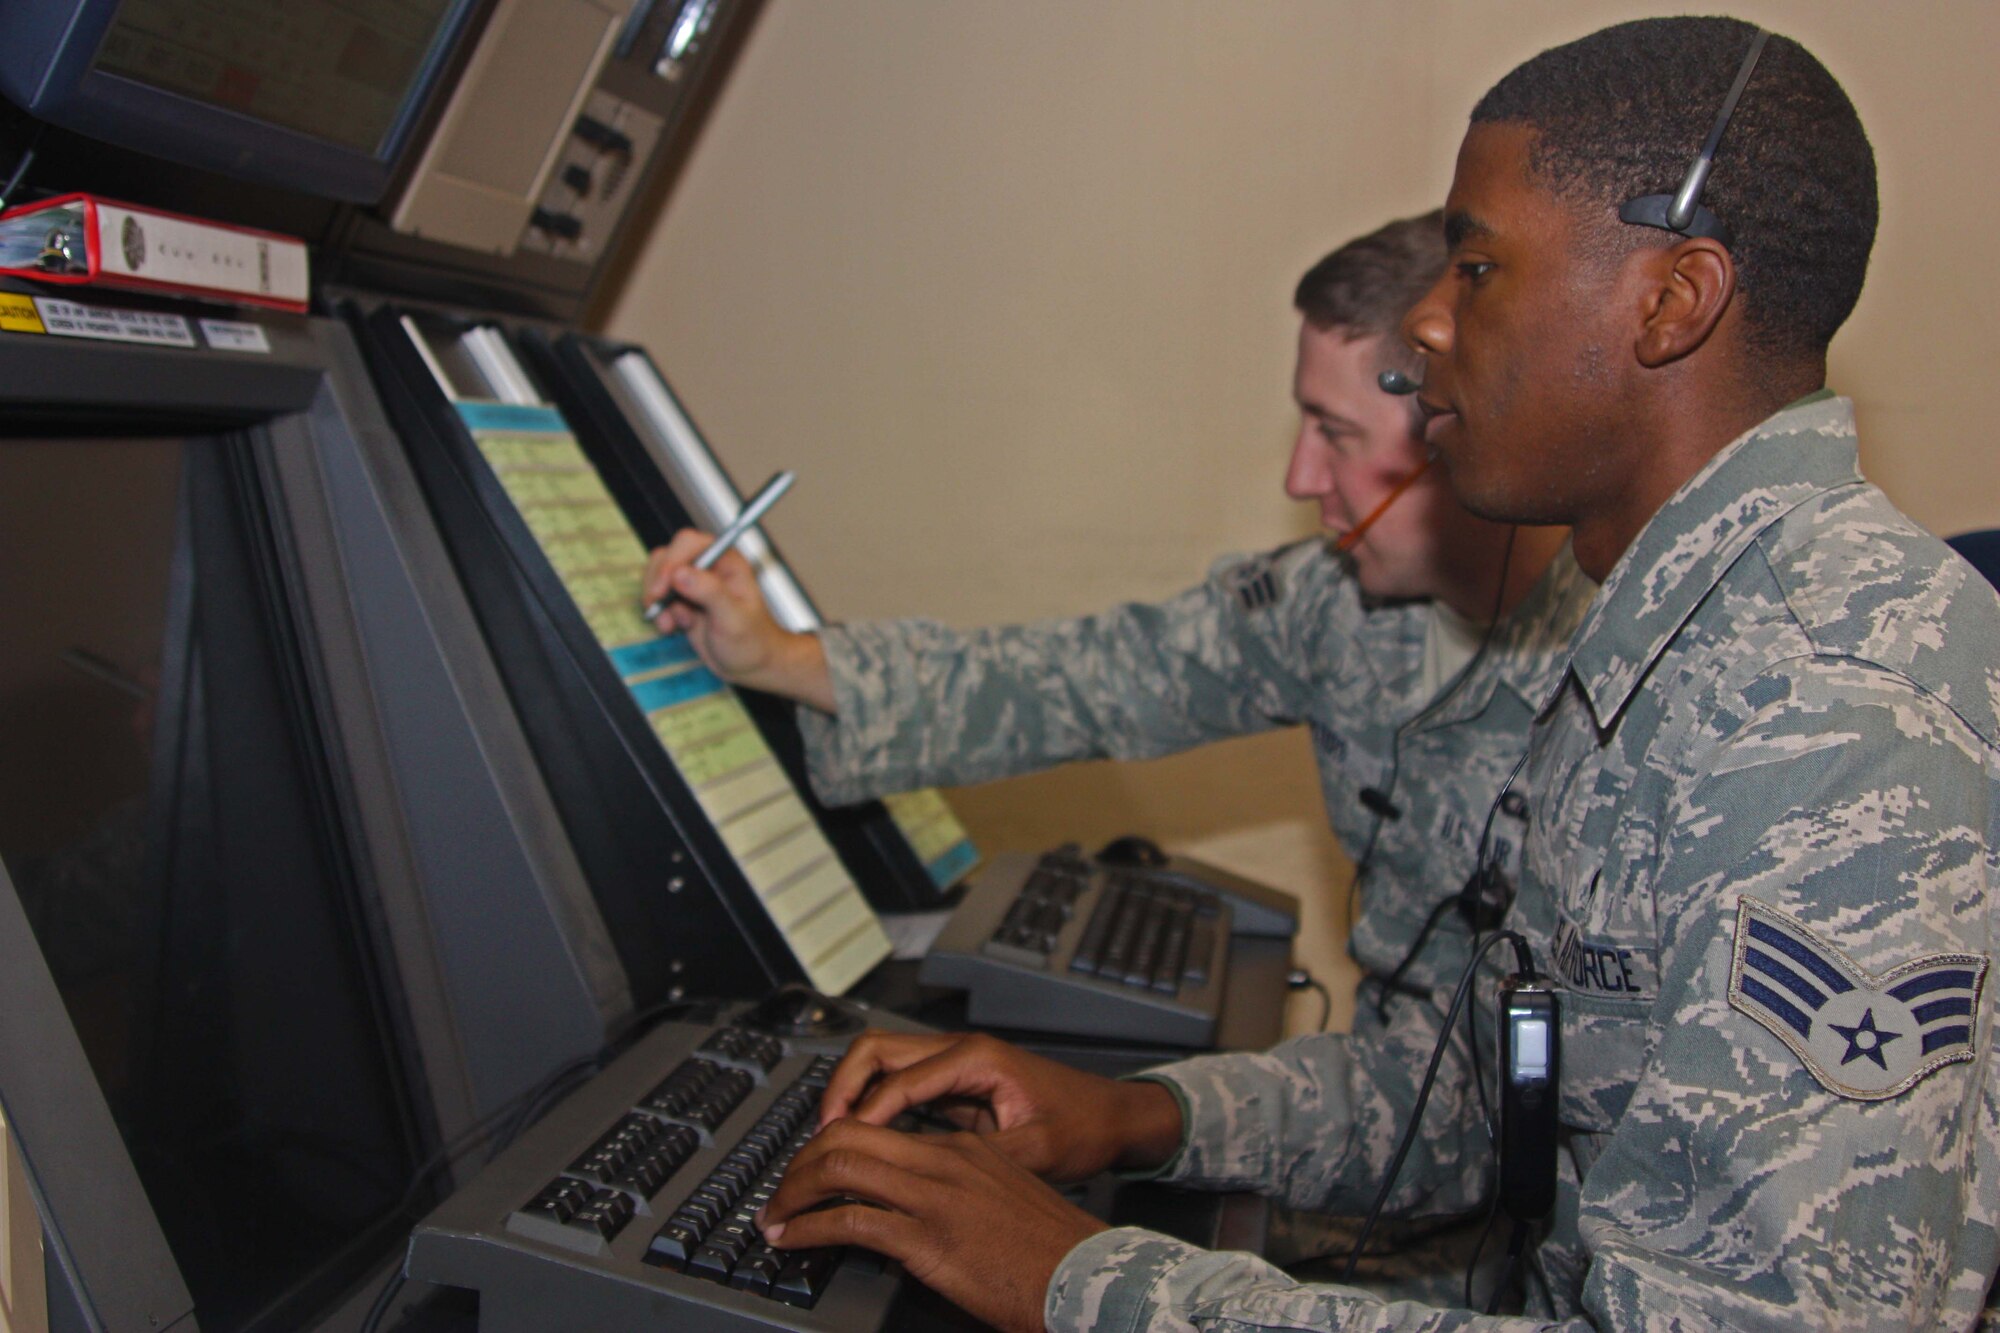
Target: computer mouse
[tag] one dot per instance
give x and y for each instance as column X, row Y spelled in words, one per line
column 1132, row 850
column 797, row 1010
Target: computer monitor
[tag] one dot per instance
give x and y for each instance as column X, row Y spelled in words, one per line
column 703, row 858
column 172, row 820
column 311, row 95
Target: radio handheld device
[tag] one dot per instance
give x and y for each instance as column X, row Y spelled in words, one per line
column 1530, row 1067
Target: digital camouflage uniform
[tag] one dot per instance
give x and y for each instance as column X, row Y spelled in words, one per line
column 1265, row 642
column 1762, row 860
column 1272, row 641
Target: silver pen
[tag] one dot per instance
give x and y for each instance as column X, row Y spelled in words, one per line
column 745, row 520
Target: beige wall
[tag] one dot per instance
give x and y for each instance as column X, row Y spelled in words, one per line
column 24, row 1297
column 1008, row 281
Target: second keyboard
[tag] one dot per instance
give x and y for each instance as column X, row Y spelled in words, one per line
column 1064, row 943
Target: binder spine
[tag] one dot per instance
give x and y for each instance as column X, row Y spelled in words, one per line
column 144, row 249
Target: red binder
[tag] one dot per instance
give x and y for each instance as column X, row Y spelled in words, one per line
column 80, row 238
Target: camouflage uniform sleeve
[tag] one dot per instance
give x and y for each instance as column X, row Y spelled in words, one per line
column 1127, row 1280
column 1760, row 1177
column 1314, row 1121
column 919, row 704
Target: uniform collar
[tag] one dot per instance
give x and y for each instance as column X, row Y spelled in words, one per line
column 1527, row 647
column 1804, row 450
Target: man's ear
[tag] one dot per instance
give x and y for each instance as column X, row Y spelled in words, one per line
column 1689, row 288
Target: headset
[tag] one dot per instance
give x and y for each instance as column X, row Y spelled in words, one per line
column 1681, row 212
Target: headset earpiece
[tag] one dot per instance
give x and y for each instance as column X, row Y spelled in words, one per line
column 1681, row 212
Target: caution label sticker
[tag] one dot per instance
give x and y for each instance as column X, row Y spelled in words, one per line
column 18, row 315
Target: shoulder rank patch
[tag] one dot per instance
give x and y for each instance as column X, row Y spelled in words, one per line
column 1255, row 583
column 1862, row 1036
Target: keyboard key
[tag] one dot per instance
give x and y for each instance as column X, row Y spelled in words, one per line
column 712, row 1263
column 1201, row 943
column 596, row 1166
column 606, row 1214
column 1116, row 959
column 694, row 1221
column 563, row 1197
column 559, row 1199
column 709, row 1113
column 741, row 1044
column 805, row 1276
column 671, row 1154
column 705, row 1209
column 644, row 1176
column 725, row 1041
column 1173, row 955
column 1146, row 947
column 757, row 1270
column 674, row 1246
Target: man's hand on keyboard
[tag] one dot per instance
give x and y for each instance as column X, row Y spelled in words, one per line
column 1060, row 1123
column 951, row 1208
column 723, row 612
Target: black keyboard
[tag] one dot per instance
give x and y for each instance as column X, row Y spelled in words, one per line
column 713, row 1233
column 632, row 1204
column 1139, row 933
column 1064, row 943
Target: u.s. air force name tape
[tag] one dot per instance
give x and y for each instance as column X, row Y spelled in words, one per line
column 1862, row 1036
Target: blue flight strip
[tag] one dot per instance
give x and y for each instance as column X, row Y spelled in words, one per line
column 512, row 416
column 946, row 870
column 672, row 650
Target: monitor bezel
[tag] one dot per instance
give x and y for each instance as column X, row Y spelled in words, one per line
column 48, row 69
column 96, row 1219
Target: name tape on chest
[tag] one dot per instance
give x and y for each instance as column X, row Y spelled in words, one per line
column 1603, row 967
column 1862, row 1036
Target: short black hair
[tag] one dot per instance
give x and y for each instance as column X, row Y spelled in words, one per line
column 1368, row 285
column 1622, row 113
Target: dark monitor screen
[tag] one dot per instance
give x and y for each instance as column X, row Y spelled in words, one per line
column 319, row 96
column 170, row 817
column 339, row 71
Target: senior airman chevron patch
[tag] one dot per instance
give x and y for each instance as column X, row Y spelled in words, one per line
column 1862, row 1036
